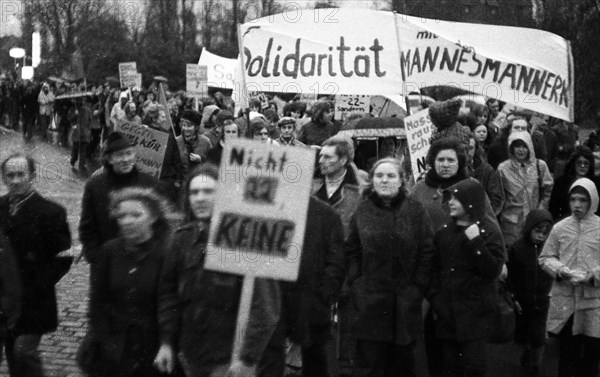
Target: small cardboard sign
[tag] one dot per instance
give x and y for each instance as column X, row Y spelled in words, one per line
column 418, row 132
column 196, row 80
column 150, row 146
column 259, row 216
column 346, row 104
column 128, row 75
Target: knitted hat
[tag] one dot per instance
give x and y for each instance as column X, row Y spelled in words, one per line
column 471, row 194
column 193, row 116
column 444, row 114
column 115, row 142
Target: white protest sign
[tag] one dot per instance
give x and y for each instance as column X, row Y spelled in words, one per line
column 259, row 217
column 128, row 74
column 418, row 132
column 347, row 103
column 195, row 80
column 150, row 146
column 138, row 80
column 321, row 51
column 220, row 70
column 526, row 67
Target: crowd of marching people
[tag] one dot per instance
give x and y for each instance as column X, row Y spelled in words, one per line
column 509, row 198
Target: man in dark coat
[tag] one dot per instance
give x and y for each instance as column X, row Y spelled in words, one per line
column 119, row 171
column 37, row 229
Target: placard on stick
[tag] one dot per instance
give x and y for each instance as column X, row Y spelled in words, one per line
column 346, row 104
column 260, row 210
column 418, row 132
column 128, row 75
column 196, row 80
column 150, row 146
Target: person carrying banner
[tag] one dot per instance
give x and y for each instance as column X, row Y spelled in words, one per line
column 197, row 308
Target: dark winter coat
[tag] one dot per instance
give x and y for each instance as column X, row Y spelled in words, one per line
column 490, row 180
column 322, row 271
column 80, row 118
column 123, row 303
column 315, row 133
column 172, row 168
column 530, row 284
column 10, row 286
column 95, row 225
column 198, row 308
column 389, row 252
column 38, row 231
column 463, row 293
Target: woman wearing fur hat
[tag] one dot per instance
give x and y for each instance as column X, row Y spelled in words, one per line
column 572, row 255
column 527, row 185
column 469, row 259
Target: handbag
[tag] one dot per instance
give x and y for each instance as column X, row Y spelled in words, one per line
column 503, row 326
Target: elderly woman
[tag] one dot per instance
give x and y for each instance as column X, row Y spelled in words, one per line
column 571, row 255
column 124, row 284
column 389, row 250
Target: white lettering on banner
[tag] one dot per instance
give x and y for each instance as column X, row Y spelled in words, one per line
column 150, row 146
column 418, row 132
column 260, row 214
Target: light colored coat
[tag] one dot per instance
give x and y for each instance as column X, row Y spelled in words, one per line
column 575, row 244
column 521, row 188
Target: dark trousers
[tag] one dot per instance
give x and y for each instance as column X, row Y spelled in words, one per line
column 78, row 152
column 314, row 361
column 383, row 359
column 468, row 359
column 578, row 355
column 28, row 124
column 94, row 142
column 433, row 346
column 45, row 121
column 23, row 356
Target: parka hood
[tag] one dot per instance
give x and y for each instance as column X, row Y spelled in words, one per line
column 524, row 136
column 471, row 194
column 590, row 187
column 534, row 218
column 207, row 113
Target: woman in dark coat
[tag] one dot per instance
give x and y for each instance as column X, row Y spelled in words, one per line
column 469, row 259
column 580, row 165
column 124, row 286
column 389, row 250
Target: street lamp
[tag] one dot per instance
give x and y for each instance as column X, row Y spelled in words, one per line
column 17, row 53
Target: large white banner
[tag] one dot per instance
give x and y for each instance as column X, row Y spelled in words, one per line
column 526, row 67
column 221, row 71
column 359, row 51
column 324, row 51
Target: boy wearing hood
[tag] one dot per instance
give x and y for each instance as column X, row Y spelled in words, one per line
column 527, row 185
column 463, row 294
column 531, row 286
column 572, row 256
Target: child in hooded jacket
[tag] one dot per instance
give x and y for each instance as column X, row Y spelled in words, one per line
column 531, row 286
column 463, row 294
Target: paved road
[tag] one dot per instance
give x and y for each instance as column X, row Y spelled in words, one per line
column 56, row 180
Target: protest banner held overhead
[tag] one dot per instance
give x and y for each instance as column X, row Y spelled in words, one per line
column 260, row 210
column 418, row 133
column 150, row 146
column 220, row 70
column 320, row 50
column 196, row 80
